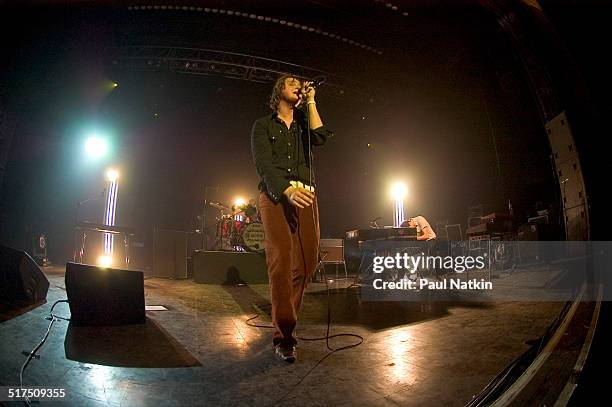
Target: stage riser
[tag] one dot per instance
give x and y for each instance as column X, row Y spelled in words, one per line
column 214, row 267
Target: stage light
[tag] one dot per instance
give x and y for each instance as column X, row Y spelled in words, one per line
column 105, row 261
column 96, row 147
column 399, row 190
column 112, row 174
column 115, row 84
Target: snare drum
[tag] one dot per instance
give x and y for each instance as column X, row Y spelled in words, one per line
column 253, row 237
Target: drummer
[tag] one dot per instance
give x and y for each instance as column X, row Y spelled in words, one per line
column 245, row 212
column 250, row 211
column 238, row 212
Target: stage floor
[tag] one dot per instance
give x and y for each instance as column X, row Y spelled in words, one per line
column 201, row 351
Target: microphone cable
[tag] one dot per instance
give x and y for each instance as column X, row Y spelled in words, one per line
column 32, row 354
column 322, row 258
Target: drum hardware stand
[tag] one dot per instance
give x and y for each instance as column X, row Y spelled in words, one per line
column 204, row 225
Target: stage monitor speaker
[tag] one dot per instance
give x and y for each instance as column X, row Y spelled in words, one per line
column 104, row 296
column 21, row 279
column 216, row 267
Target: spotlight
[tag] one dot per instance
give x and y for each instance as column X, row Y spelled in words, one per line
column 105, row 261
column 96, row 147
column 112, row 174
column 399, row 190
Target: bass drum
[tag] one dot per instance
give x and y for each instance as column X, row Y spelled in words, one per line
column 253, row 237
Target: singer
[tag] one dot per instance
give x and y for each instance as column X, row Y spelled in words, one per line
column 287, row 201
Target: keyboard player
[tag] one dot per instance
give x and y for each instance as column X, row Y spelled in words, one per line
column 392, row 241
column 423, row 228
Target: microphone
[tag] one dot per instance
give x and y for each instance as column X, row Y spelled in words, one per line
column 315, row 83
column 373, row 223
column 318, row 81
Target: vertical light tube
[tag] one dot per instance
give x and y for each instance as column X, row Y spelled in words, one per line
column 109, row 216
column 113, row 210
column 398, row 212
column 114, row 203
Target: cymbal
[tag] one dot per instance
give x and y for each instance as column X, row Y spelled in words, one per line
column 218, row 206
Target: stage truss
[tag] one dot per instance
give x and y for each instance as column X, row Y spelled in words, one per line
column 197, row 61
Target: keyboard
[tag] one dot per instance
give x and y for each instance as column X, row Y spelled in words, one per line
column 382, row 234
column 98, row 227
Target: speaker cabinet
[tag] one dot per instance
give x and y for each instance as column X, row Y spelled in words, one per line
column 104, row 296
column 21, row 279
column 170, row 253
column 571, row 181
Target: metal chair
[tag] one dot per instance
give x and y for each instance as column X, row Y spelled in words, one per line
column 332, row 252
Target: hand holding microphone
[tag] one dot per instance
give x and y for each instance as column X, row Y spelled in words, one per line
column 307, row 91
column 308, row 88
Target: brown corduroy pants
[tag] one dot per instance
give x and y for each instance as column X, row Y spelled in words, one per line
column 292, row 250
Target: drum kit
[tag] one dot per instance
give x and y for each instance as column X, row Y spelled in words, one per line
column 237, row 232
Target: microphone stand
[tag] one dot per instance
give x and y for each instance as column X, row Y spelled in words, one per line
column 205, row 215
